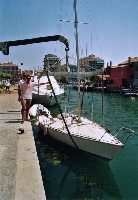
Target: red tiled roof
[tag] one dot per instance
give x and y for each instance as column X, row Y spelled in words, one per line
column 104, row 76
column 7, row 64
column 119, row 66
column 132, row 60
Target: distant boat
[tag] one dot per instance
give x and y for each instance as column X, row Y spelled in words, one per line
column 43, row 94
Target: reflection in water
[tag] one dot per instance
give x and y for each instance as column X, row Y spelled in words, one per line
column 67, row 174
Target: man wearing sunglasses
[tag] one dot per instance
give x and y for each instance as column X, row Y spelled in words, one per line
column 25, row 95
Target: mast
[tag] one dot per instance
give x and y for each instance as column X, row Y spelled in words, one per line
column 102, row 98
column 77, row 53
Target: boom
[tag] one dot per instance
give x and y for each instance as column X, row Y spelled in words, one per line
column 4, row 46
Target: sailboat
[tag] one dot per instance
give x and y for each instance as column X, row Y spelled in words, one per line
column 80, row 132
column 43, row 94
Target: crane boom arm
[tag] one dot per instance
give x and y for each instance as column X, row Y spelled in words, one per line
column 4, row 46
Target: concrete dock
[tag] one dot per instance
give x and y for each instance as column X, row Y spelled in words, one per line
column 20, row 175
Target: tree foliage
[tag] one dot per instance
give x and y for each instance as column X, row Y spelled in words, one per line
column 5, row 75
column 92, row 77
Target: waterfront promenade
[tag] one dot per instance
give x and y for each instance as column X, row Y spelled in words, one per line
column 20, row 175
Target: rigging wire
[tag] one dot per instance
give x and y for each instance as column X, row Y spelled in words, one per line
column 129, row 131
column 60, row 110
column 63, row 12
column 92, row 22
column 66, row 49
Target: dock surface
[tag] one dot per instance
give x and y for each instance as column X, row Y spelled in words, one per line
column 20, row 175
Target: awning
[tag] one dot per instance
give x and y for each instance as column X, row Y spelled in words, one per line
column 72, row 76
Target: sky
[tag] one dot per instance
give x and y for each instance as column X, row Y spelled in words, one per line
column 111, row 32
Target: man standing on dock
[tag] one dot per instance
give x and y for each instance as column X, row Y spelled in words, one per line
column 25, row 95
column 19, row 83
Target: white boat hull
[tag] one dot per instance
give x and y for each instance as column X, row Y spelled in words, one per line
column 42, row 99
column 104, row 150
column 45, row 100
column 88, row 137
column 44, row 94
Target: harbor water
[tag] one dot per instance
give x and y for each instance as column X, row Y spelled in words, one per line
column 69, row 174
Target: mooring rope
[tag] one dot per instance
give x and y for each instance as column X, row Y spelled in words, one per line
column 60, row 110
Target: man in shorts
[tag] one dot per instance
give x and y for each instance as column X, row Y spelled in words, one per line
column 25, row 95
column 19, row 83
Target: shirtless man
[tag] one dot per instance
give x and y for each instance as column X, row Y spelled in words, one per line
column 25, row 95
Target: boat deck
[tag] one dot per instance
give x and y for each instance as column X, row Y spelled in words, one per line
column 86, row 129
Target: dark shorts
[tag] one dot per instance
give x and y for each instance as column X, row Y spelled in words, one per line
column 7, row 87
column 26, row 101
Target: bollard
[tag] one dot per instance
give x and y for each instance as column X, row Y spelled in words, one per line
column 20, row 131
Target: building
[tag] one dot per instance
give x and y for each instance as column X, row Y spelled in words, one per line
column 52, row 63
column 100, row 80
column 10, row 68
column 119, row 77
column 73, row 77
column 132, row 63
column 91, row 63
column 124, row 75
